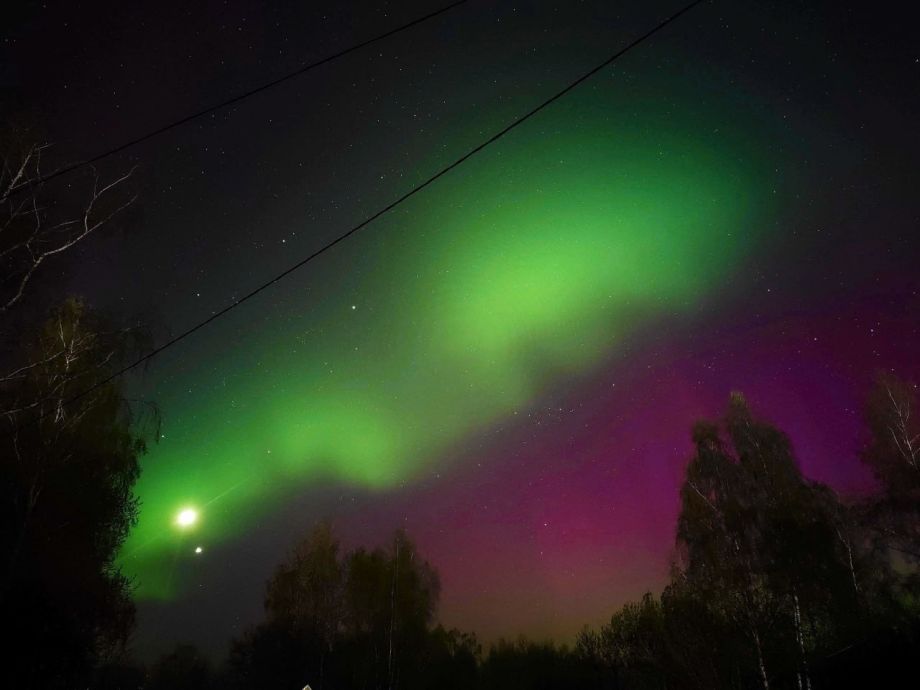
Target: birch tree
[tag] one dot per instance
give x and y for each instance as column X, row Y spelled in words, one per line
column 774, row 552
column 66, row 479
column 69, row 438
column 37, row 227
column 892, row 452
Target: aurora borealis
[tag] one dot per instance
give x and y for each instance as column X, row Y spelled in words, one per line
column 508, row 364
column 573, row 242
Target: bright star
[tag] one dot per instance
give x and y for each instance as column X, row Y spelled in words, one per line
column 187, row 517
column 197, row 549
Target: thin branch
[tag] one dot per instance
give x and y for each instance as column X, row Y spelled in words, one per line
column 40, row 242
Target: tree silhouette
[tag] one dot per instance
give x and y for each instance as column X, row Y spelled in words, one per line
column 892, row 452
column 390, row 600
column 773, row 576
column 358, row 620
column 527, row 665
column 66, row 483
column 767, row 546
column 181, row 669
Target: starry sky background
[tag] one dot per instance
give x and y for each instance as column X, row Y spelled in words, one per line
column 508, row 366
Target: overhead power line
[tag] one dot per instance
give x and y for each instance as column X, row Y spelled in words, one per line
column 231, row 101
column 389, row 207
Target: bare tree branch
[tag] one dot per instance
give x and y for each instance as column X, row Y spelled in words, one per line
column 32, row 232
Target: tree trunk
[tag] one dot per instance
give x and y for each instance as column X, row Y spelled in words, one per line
column 761, row 666
column 802, row 675
column 392, row 618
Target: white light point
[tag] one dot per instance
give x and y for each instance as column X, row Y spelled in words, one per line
column 187, row 517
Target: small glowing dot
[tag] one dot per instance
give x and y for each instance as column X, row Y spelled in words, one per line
column 354, row 306
column 197, row 549
column 187, row 517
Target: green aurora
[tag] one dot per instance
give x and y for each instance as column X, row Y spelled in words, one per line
column 528, row 264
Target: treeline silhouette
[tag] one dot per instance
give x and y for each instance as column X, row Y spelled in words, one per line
column 777, row 583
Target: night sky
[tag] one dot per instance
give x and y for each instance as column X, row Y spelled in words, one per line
column 507, row 365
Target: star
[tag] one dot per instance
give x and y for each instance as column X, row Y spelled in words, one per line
column 187, row 517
